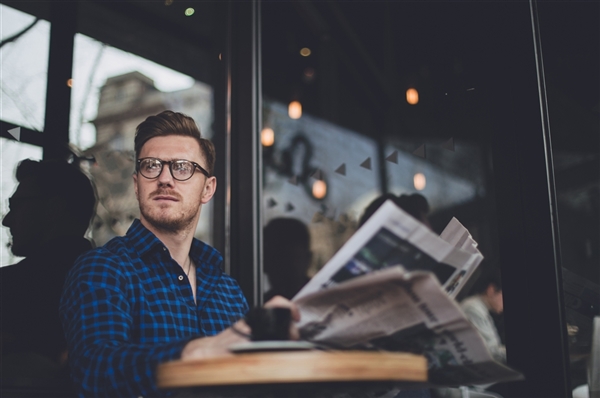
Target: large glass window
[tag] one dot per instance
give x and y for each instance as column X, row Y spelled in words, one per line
column 571, row 49
column 358, row 104
column 395, row 98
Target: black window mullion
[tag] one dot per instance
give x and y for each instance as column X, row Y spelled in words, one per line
column 245, row 190
column 60, row 69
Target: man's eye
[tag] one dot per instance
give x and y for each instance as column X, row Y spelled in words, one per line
column 152, row 165
column 181, row 167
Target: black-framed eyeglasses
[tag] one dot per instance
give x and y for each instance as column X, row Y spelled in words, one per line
column 181, row 169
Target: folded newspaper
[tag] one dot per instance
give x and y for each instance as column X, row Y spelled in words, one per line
column 392, row 287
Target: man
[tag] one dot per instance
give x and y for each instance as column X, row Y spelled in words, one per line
column 50, row 212
column 156, row 294
column 477, row 308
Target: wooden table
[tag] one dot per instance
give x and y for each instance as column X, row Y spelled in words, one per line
column 277, row 373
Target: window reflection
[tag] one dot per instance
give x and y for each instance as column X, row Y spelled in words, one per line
column 12, row 153
column 304, row 177
column 571, row 51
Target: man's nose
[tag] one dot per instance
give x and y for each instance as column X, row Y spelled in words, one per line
column 7, row 219
column 165, row 177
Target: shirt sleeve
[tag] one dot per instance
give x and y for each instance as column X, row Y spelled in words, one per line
column 95, row 313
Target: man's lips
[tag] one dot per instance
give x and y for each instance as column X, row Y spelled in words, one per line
column 165, row 197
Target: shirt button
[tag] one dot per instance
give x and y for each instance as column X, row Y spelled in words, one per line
column 164, row 249
column 180, row 277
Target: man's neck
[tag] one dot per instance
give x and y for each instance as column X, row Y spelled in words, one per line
column 177, row 242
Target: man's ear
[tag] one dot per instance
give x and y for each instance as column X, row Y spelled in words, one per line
column 210, row 186
column 135, row 187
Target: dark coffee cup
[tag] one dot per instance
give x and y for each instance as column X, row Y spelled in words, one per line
column 269, row 323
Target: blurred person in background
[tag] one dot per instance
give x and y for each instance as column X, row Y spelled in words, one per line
column 50, row 212
column 479, row 308
column 414, row 204
column 287, row 256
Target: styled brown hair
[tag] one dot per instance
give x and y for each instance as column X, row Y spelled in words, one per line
column 173, row 123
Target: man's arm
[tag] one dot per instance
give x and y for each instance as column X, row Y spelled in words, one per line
column 96, row 316
column 218, row 345
column 484, row 324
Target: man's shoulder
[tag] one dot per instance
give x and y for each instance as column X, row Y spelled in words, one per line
column 206, row 254
column 473, row 304
column 115, row 252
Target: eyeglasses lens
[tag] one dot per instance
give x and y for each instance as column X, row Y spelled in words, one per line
column 180, row 169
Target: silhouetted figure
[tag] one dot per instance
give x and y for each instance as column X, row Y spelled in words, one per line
column 415, row 204
column 50, row 212
column 287, row 256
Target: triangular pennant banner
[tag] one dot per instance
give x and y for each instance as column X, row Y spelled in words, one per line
column 341, row 170
column 271, row 203
column 393, row 157
column 449, row 145
column 289, row 207
column 16, row 133
column 420, row 151
column 317, row 175
column 293, row 180
column 366, row 164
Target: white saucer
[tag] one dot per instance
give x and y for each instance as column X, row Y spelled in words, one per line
column 258, row 346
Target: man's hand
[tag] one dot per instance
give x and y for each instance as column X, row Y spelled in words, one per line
column 282, row 302
column 214, row 346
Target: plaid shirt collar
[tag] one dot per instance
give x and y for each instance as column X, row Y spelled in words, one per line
column 207, row 259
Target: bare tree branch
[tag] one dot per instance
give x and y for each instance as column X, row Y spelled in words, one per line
column 19, row 34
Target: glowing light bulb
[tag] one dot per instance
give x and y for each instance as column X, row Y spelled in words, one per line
column 189, row 12
column 412, row 96
column 419, row 181
column 319, row 189
column 267, row 136
column 305, row 52
column 295, row 110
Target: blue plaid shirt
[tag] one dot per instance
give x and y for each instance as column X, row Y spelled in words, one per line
column 128, row 306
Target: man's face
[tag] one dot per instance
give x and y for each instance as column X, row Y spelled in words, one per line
column 495, row 299
column 26, row 219
column 168, row 204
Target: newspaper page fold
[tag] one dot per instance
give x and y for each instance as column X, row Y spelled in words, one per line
column 395, row 310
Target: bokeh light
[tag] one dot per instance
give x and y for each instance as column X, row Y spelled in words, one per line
column 412, row 96
column 295, row 110
column 319, row 189
column 267, row 136
column 419, row 181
